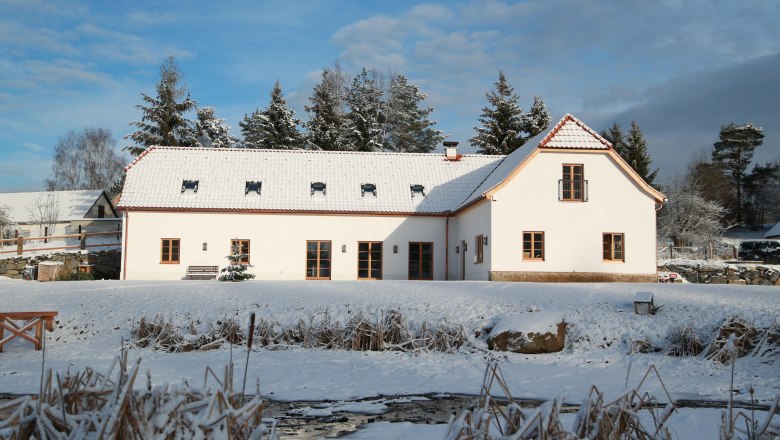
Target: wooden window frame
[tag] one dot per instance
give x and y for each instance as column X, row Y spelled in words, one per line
column 370, row 260
column 582, row 190
column 170, row 254
column 532, row 249
column 433, row 260
column 319, row 259
column 241, row 241
column 612, row 258
column 479, row 249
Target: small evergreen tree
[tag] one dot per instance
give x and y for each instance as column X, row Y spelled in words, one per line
column 365, row 117
column 502, row 122
column 616, row 137
column 408, row 128
column 536, row 120
column 274, row 127
column 636, row 153
column 326, row 113
column 211, row 131
column 163, row 121
column 236, row 270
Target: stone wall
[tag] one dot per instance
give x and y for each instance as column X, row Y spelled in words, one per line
column 107, row 263
column 723, row 273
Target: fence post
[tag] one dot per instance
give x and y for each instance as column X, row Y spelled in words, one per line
column 671, row 251
column 19, row 245
column 118, row 231
column 83, row 240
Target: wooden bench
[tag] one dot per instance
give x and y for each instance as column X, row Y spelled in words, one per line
column 30, row 321
column 202, row 272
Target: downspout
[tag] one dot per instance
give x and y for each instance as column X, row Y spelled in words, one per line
column 447, row 248
column 124, row 246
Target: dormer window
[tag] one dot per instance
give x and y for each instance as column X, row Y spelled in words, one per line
column 368, row 188
column 417, row 190
column 189, row 186
column 253, row 187
column 318, row 187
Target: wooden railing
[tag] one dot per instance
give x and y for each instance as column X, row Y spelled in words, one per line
column 82, row 237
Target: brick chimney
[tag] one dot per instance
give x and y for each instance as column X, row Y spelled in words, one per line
column 451, row 150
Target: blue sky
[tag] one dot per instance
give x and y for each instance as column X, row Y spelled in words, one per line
column 680, row 68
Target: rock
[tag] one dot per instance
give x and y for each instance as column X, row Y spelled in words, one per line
column 507, row 336
column 718, row 280
column 741, row 282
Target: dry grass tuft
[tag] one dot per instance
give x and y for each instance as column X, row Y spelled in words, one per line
column 88, row 404
column 684, row 341
column 746, row 336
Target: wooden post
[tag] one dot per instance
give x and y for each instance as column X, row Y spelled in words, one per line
column 45, row 234
column 83, row 239
column 671, row 251
column 118, row 231
column 19, row 245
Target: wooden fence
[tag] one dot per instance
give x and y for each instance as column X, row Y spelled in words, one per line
column 82, row 237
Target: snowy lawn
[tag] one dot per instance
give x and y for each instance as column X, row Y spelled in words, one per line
column 96, row 316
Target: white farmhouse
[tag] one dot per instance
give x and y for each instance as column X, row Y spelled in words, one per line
column 564, row 207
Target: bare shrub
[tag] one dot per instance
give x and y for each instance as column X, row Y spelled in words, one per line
column 158, row 333
column 684, row 341
column 745, row 338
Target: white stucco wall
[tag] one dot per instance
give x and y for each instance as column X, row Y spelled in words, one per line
column 278, row 242
column 573, row 230
column 465, row 227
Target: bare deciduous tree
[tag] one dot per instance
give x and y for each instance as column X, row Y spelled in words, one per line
column 5, row 222
column 688, row 218
column 86, row 160
column 45, row 212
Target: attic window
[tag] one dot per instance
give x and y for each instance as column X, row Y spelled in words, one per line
column 318, row 187
column 189, row 186
column 253, row 187
column 367, row 188
column 417, row 190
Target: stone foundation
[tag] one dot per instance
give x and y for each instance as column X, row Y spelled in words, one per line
column 106, row 263
column 723, row 273
column 572, row 277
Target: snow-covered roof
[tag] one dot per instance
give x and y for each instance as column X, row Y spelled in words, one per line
column 155, row 180
column 72, row 205
column 774, row 232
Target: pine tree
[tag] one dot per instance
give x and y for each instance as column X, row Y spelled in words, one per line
column 536, row 120
column 274, row 127
column 363, row 122
column 408, row 128
column 502, row 124
column 236, row 270
column 616, row 137
column 636, row 153
column 211, row 131
column 762, row 192
column 734, row 152
column 162, row 121
column 326, row 113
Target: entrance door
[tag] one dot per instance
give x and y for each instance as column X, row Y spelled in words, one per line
column 420, row 261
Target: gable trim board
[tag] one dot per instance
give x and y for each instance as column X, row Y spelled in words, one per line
column 284, row 214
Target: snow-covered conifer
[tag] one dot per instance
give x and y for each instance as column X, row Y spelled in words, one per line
column 502, row 124
column 163, row 121
column 616, row 137
column 274, row 127
column 636, row 153
column 734, row 152
column 408, row 128
column 211, row 131
column 236, row 270
column 537, row 119
column 363, row 122
column 326, row 113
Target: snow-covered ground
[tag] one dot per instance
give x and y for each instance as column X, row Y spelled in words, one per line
column 95, row 317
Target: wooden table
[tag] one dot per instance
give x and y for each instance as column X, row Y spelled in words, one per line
column 20, row 323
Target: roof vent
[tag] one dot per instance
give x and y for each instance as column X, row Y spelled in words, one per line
column 318, row 187
column 189, row 186
column 367, row 188
column 253, row 187
column 417, row 189
column 451, row 151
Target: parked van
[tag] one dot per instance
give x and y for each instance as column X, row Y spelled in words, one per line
column 766, row 251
